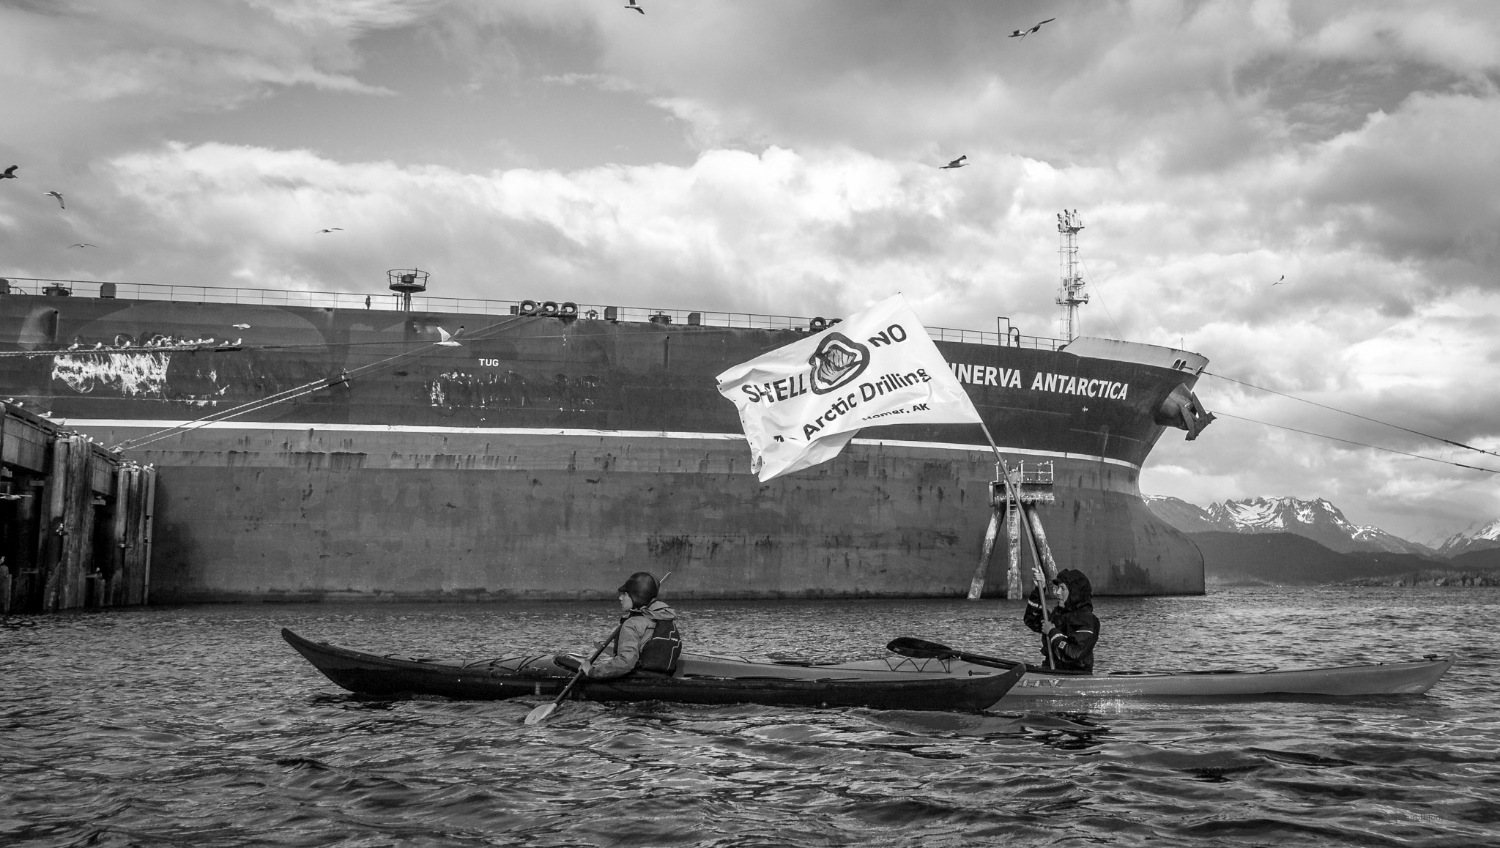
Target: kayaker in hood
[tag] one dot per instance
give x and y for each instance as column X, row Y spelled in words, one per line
column 1071, row 628
column 649, row 637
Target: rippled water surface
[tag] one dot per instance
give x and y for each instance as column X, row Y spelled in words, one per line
column 200, row 726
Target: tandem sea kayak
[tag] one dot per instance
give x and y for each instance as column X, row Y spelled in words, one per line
column 890, row 683
column 1411, row 677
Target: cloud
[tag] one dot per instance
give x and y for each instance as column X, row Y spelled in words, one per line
column 1420, row 185
column 1210, row 147
column 100, row 69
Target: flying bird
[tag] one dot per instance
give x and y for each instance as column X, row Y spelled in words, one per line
column 240, row 326
column 630, row 4
column 1278, row 282
column 10, row 173
column 83, row 244
column 57, row 195
column 446, row 339
column 1022, row 33
column 956, row 163
column 329, row 229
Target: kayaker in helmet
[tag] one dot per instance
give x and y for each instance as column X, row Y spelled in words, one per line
column 1071, row 628
column 648, row 636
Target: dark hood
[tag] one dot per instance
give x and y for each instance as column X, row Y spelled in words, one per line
column 1080, row 592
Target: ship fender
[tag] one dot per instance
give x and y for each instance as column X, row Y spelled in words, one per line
column 529, row 307
column 568, row 310
column 549, row 308
column 1183, row 410
column 817, row 325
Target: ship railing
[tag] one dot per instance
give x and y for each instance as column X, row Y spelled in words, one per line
column 1031, row 484
column 394, row 302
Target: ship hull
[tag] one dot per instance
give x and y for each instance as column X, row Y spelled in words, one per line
column 544, row 458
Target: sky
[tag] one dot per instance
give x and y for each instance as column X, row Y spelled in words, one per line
column 1307, row 193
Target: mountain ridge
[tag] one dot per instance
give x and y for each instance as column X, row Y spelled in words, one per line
column 1486, row 537
column 1317, row 520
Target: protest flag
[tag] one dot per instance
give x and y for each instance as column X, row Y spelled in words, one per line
column 802, row 403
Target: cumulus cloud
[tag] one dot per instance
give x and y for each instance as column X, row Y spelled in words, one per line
column 1210, row 147
column 81, row 66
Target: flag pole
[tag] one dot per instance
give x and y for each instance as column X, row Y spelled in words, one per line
column 1036, row 559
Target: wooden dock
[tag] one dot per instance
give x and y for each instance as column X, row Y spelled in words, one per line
column 75, row 520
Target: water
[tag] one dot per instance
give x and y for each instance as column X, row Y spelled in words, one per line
column 200, row 726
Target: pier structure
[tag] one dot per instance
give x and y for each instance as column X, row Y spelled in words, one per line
column 1010, row 505
column 75, row 519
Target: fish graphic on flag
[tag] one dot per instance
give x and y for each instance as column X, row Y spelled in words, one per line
column 802, row 403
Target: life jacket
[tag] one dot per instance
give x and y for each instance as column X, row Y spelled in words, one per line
column 662, row 648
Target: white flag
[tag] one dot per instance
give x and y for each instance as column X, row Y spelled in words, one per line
column 800, row 404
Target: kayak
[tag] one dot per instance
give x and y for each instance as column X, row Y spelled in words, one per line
column 1385, row 678
column 889, row 683
column 1412, row 677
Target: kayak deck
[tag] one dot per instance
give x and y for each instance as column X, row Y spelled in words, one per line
column 1412, row 677
column 886, row 683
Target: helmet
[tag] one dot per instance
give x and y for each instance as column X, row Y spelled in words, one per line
column 641, row 587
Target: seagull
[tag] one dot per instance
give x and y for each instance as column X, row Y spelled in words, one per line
column 10, row 173
column 446, row 339
column 83, row 244
column 57, row 195
column 1278, row 282
column 1022, row 33
column 630, row 4
column 329, row 229
column 240, row 326
column 956, row 163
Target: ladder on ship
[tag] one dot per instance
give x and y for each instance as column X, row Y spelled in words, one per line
column 1014, row 496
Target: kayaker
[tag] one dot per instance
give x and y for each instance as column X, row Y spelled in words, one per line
column 1071, row 628
column 649, row 637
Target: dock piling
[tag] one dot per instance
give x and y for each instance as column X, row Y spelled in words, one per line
column 75, row 519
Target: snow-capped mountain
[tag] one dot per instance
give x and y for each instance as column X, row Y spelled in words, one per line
column 1318, row 520
column 1472, row 539
column 1187, row 517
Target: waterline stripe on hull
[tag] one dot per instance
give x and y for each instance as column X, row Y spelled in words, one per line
column 534, row 431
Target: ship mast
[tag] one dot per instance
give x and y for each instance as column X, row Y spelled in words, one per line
column 1070, row 295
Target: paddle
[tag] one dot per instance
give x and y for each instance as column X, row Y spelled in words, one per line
column 540, row 714
column 908, row 646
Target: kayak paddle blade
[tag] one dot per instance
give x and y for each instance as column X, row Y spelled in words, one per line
column 908, row 646
column 540, row 714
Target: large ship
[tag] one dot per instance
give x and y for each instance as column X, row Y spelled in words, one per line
column 336, row 445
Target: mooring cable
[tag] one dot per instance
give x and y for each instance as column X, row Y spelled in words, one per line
column 1355, row 415
column 1359, row 444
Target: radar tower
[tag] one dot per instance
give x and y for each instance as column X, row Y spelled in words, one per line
column 1070, row 295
